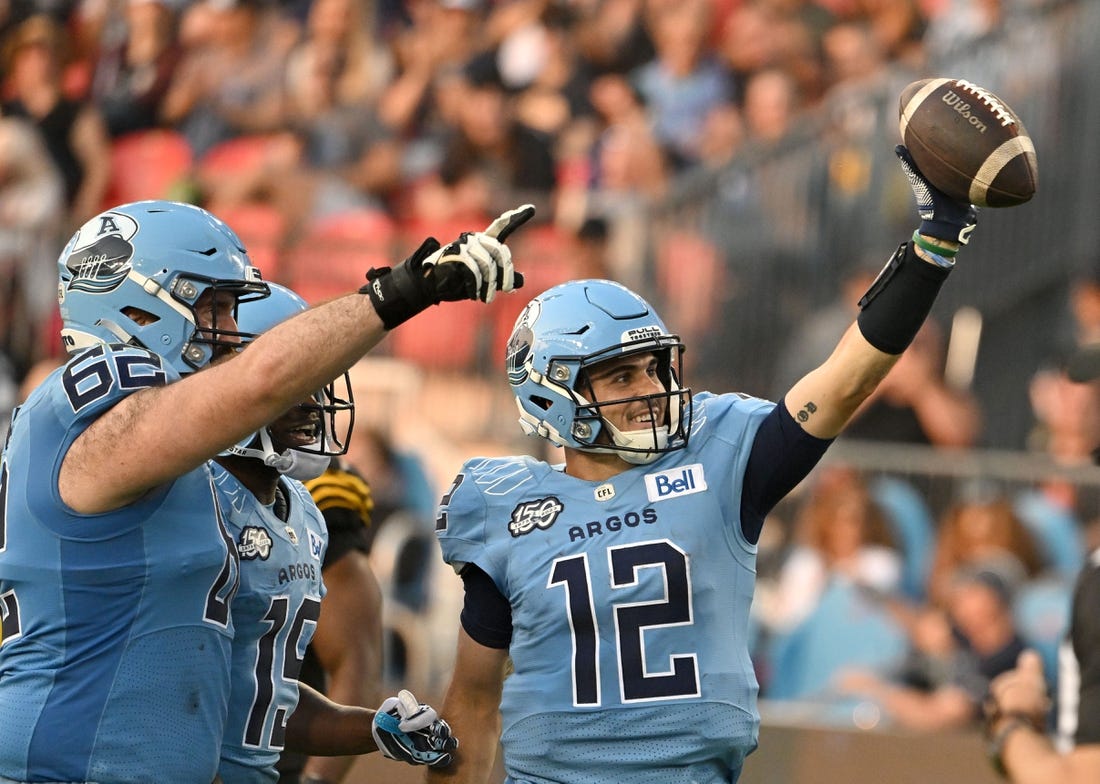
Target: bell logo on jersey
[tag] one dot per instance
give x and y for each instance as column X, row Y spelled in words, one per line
column 528, row 516
column 683, row 480
column 254, row 543
column 316, row 545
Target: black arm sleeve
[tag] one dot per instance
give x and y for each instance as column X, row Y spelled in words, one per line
column 781, row 457
column 1085, row 635
column 486, row 614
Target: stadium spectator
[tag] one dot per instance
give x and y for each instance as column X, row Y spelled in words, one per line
column 512, row 160
column 72, row 129
column 979, row 524
column 641, row 528
column 135, row 65
column 915, row 404
column 841, row 534
column 32, row 206
column 684, row 83
column 229, row 82
column 955, row 653
column 149, row 293
column 441, row 37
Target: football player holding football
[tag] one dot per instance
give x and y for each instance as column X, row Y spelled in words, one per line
column 618, row 582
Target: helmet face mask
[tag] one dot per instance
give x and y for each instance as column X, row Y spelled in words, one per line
column 573, row 328
column 156, row 259
column 319, row 427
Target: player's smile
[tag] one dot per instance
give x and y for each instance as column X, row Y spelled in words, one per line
column 297, row 428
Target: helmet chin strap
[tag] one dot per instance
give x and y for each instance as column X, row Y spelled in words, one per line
column 294, row 463
column 647, row 440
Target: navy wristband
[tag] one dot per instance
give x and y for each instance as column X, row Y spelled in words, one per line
column 894, row 308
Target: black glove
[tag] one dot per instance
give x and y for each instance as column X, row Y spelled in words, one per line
column 941, row 216
column 474, row 267
column 408, row 730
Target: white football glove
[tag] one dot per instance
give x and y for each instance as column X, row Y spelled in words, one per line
column 410, row 731
column 475, row 266
column 485, row 256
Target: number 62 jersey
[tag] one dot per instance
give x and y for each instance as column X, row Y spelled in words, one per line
column 115, row 621
column 629, row 601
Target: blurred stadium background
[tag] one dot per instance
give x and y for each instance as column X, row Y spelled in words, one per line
column 737, row 252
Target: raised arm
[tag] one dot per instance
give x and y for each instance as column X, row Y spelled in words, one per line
column 179, row 426
column 891, row 312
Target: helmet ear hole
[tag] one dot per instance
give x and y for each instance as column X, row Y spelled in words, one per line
column 139, row 316
column 544, row 403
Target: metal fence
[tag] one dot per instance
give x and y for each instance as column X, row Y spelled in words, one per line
column 737, row 257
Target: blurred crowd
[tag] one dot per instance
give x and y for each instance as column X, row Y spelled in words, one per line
column 429, row 113
column 334, row 134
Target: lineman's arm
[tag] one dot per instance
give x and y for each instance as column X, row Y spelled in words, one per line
column 472, row 707
column 402, row 729
column 158, row 434
column 320, row 726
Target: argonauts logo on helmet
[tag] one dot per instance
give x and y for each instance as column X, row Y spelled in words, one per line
column 519, row 344
column 99, row 254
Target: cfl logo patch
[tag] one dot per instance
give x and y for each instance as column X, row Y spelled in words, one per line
column 528, row 516
column 674, row 482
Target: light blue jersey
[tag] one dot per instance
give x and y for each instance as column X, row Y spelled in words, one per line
column 630, row 604
column 275, row 614
column 114, row 659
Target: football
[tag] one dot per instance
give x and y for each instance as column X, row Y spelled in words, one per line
column 968, row 142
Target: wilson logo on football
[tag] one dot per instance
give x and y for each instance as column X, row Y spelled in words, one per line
column 528, row 516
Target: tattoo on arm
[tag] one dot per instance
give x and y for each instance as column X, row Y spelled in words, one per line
column 806, row 411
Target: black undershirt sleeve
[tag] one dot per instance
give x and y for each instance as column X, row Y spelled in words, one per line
column 781, row 457
column 486, row 614
column 1085, row 635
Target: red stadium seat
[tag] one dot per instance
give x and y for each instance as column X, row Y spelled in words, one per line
column 261, row 228
column 544, row 254
column 335, row 253
column 235, row 156
column 147, row 165
column 441, row 338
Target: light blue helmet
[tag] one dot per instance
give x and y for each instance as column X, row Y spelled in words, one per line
column 334, row 407
column 158, row 257
column 571, row 327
